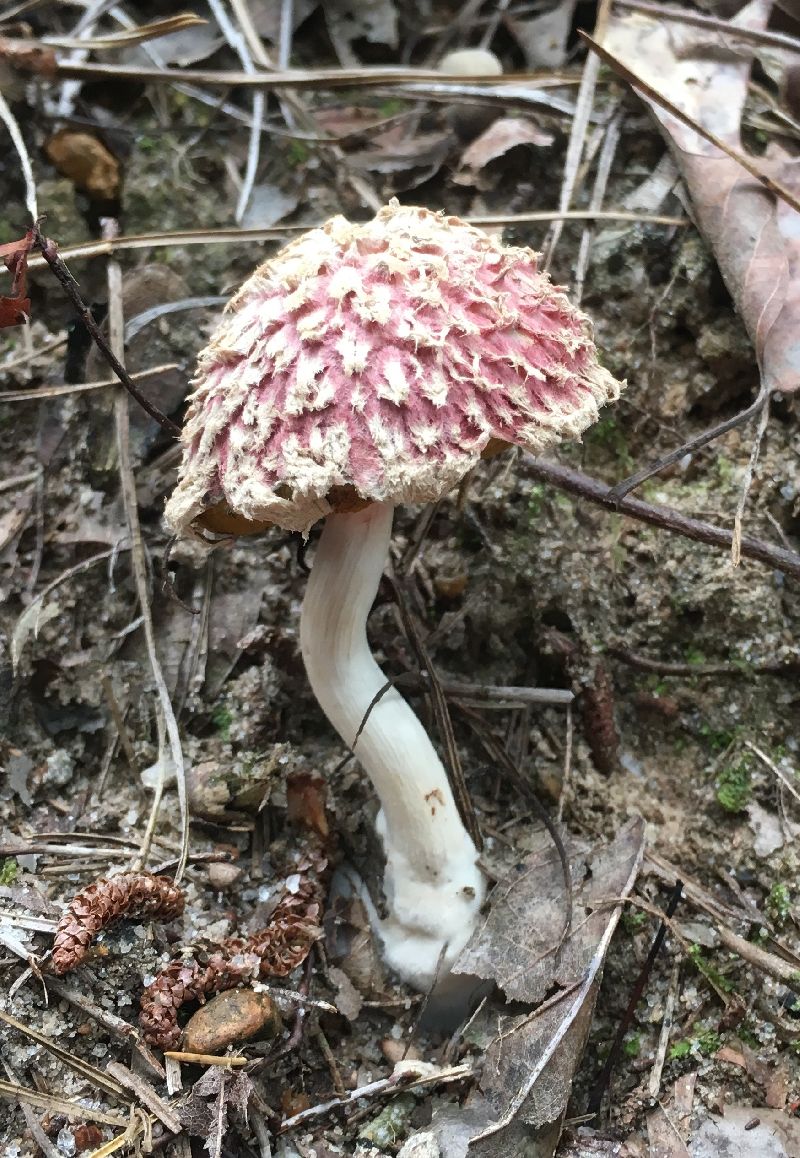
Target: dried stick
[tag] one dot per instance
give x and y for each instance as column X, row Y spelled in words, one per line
column 575, row 483
column 49, row 252
column 116, row 324
column 626, row 485
column 604, row 1077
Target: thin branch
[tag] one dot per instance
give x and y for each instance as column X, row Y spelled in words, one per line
column 575, row 483
column 710, row 435
column 231, row 235
column 50, row 254
column 128, row 486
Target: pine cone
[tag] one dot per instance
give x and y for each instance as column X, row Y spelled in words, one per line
column 131, row 895
column 271, row 952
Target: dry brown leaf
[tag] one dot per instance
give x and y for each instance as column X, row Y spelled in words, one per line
column 756, row 239
column 15, row 308
column 501, row 136
column 531, row 1063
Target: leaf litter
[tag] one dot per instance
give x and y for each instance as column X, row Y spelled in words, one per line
column 233, row 674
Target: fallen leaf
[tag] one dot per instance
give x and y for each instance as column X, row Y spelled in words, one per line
column 745, row 1130
column 543, row 38
column 501, row 136
column 531, row 1062
column 755, row 238
column 16, row 307
column 348, row 22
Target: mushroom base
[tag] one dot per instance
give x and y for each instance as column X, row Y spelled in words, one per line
column 430, row 921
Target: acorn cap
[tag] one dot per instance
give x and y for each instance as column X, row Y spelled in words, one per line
column 376, row 362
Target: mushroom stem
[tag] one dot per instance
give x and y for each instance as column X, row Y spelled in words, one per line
column 432, row 883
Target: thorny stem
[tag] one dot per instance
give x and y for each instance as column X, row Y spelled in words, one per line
column 49, row 252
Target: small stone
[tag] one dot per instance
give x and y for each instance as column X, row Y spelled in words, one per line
column 232, row 1017
column 223, row 876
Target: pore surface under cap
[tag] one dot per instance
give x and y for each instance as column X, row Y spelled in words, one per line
column 382, row 357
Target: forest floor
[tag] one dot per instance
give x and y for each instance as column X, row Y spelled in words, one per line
column 684, row 666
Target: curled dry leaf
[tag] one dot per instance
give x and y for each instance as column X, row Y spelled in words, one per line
column 531, row 1063
column 501, row 136
column 755, row 238
column 16, row 307
column 132, row 895
column 86, row 161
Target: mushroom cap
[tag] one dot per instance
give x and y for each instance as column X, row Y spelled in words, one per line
column 378, row 361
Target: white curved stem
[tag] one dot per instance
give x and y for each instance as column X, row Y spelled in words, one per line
column 433, row 885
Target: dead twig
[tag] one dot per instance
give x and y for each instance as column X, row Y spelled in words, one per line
column 620, row 489
column 634, row 659
column 575, row 483
column 49, row 252
column 600, row 1086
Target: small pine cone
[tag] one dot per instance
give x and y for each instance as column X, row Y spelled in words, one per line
column 272, row 952
column 132, row 895
column 599, row 725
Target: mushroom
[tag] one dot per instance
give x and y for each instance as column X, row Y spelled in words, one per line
column 363, row 366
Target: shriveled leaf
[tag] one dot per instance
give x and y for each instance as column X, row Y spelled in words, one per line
column 16, row 307
column 501, row 136
column 515, row 947
column 533, row 1058
column 86, row 162
column 755, row 238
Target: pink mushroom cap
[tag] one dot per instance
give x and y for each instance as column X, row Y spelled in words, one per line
column 381, row 358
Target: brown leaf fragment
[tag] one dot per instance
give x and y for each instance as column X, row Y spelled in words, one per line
column 755, row 236
column 501, row 136
column 531, row 1063
column 18, row 55
column 16, row 307
column 127, row 895
column 86, row 162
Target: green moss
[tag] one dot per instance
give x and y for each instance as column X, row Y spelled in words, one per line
column 713, row 975
column 536, row 500
column 734, row 786
column 705, row 1044
column 9, row 871
column 634, row 920
column 297, row 154
column 779, row 903
column 632, row 1046
column 391, row 107
column 608, row 434
column 222, row 718
column 718, row 739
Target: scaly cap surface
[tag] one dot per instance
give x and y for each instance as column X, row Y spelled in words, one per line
column 381, row 358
